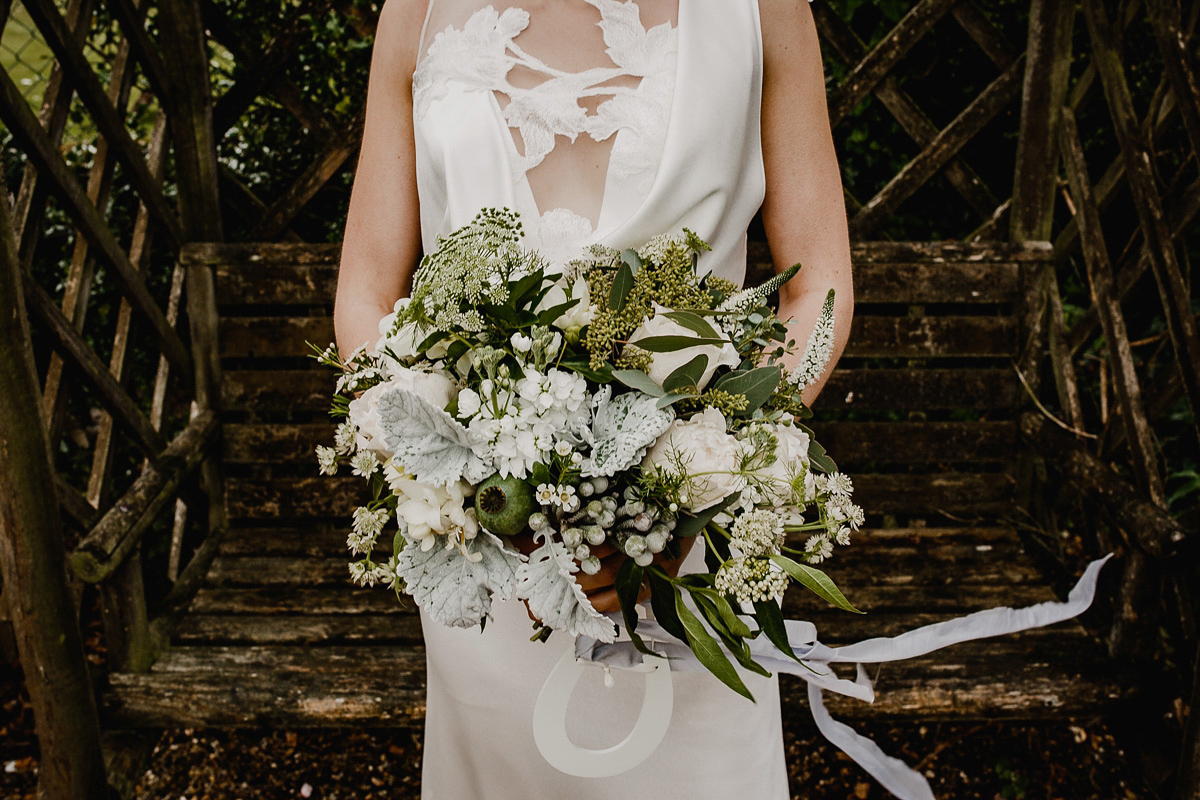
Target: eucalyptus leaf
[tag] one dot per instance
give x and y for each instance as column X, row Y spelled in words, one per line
column 628, row 585
column 671, row 343
column 819, row 458
column 663, row 596
column 692, row 321
column 692, row 524
column 733, row 643
column 729, row 618
column 668, row 399
column 755, row 384
column 636, row 379
column 630, row 257
column 622, row 286
column 554, row 312
column 817, row 581
column 770, row 621
column 686, row 376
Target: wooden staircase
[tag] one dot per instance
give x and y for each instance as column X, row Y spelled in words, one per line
column 921, row 412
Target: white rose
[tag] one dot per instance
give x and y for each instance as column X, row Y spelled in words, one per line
column 364, row 413
column 791, row 460
column 663, row 364
column 707, row 452
column 435, row 388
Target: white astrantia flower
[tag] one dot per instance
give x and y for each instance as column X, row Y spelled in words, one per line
column 842, row 536
column 343, row 438
column 839, row 483
column 751, row 580
column 364, row 463
column 818, row 348
column 757, row 533
column 817, row 548
column 327, row 460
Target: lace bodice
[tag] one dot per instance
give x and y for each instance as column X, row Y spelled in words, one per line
column 604, row 121
column 547, row 110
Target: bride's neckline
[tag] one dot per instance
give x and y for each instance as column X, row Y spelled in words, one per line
column 482, row 51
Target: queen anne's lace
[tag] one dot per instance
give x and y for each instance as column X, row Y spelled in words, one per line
column 481, row 53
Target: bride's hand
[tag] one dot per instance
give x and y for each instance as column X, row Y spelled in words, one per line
column 600, row 588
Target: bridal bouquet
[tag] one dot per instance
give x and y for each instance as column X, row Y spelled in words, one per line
column 626, row 399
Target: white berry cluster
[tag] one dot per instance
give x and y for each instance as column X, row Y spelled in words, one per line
column 751, row 580
column 758, row 533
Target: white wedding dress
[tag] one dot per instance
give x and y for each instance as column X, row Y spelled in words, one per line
column 612, row 122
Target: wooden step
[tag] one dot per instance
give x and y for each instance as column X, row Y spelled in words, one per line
column 383, row 686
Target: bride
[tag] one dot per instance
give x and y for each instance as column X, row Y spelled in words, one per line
column 604, row 121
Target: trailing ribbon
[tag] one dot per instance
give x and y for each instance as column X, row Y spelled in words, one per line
column 815, row 658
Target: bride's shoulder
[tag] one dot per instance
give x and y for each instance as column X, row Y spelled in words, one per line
column 398, row 32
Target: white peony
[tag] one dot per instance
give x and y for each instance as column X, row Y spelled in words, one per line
column 791, row 461
column 663, row 364
column 708, row 454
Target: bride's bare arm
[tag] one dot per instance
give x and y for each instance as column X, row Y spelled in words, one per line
column 383, row 235
column 804, row 212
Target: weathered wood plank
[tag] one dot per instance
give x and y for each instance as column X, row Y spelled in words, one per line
column 325, row 497
column 916, row 442
column 322, row 629
column 926, row 389
column 833, row 625
column 383, row 686
column 876, row 281
column 867, row 594
column 889, row 564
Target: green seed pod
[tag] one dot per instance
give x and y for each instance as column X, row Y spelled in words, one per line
column 503, row 505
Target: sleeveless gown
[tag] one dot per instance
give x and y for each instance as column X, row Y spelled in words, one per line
column 659, row 132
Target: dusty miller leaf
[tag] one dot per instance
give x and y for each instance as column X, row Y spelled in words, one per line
column 554, row 597
column 622, row 429
column 454, row 590
column 428, row 442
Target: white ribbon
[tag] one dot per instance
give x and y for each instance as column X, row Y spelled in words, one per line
column 815, row 658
